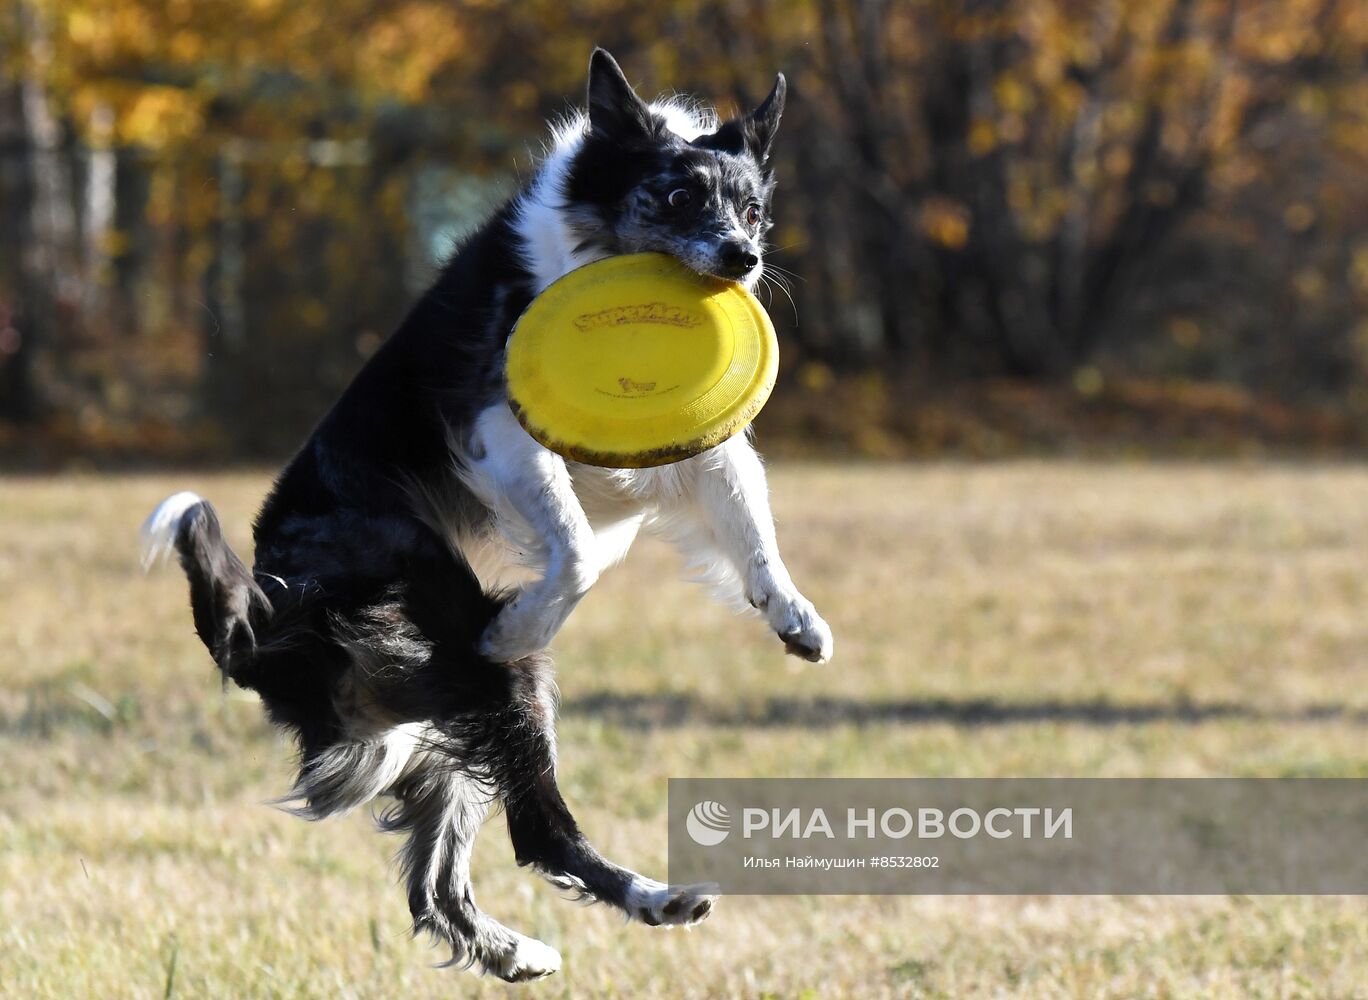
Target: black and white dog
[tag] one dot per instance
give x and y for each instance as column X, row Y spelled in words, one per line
column 363, row 625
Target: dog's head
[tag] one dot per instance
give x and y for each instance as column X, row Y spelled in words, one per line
column 637, row 185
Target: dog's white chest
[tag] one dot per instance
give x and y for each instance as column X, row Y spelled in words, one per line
column 609, row 495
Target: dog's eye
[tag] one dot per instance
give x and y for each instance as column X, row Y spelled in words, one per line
column 753, row 215
column 679, row 198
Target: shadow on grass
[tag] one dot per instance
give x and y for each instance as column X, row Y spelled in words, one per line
column 668, row 711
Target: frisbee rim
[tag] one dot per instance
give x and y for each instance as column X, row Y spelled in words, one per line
column 759, row 387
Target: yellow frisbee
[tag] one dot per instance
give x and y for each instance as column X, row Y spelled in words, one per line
column 637, row 361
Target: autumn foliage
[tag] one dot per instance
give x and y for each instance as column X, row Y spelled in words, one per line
column 212, row 211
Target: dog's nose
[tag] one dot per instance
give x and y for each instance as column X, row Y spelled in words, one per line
column 737, row 258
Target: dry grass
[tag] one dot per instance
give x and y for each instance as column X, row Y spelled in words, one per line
column 1022, row 619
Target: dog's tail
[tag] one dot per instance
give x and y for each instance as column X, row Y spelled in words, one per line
column 225, row 599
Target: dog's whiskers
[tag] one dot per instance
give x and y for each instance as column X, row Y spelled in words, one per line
column 771, row 281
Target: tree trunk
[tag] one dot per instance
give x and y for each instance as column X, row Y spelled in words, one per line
column 19, row 307
column 38, row 216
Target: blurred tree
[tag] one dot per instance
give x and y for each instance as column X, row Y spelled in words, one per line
column 16, row 197
column 1015, row 168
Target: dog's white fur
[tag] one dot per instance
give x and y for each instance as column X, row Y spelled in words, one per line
column 569, row 522
column 158, row 534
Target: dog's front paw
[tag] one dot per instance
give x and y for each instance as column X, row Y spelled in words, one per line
column 659, row 905
column 804, row 633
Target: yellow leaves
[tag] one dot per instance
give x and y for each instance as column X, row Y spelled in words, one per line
column 404, row 50
column 1351, row 134
column 115, row 242
column 183, row 12
column 102, row 31
column 983, row 137
column 1038, row 203
column 1312, row 101
column 945, row 221
column 1086, row 172
column 186, row 46
column 816, row 377
column 379, row 51
column 1012, row 98
column 1299, row 216
column 313, row 314
column 1121, row 116
column 85, row 29
column 1117, row 161
column 1309, row 284
column 1358, row 270
column 1280, row 46
column 1011, row 94
column 294, row 167
column 962, row 25
column 1234, row 93
column 1185, row 332
column 1088, row 381
column 160, row 116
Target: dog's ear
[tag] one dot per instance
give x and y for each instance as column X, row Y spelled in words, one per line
column 614, row 108
column 763, row 122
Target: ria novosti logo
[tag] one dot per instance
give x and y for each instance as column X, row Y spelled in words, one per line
column 708, row 823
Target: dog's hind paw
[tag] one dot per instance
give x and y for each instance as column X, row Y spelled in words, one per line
column 527, row 960
column 659, row 905
column 803, row 632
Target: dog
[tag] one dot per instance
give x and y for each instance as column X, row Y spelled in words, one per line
column 364, row 624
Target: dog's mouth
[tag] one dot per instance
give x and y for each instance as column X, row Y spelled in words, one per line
column 729, row 275
column 712, row 268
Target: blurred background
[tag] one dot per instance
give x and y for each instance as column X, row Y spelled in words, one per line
column 1021, row 226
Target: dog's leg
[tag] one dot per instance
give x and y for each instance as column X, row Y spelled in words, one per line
column 529, row 490
column 545, row 835
column 725, row 510
column 441, row 810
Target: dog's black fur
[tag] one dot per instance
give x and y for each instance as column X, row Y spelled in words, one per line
column 361, row 615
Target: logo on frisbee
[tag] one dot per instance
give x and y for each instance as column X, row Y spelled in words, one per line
column 708, row 824
column 646, row 312
column 636, row 388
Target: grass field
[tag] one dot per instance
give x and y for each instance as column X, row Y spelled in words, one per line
column 1004, row 620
